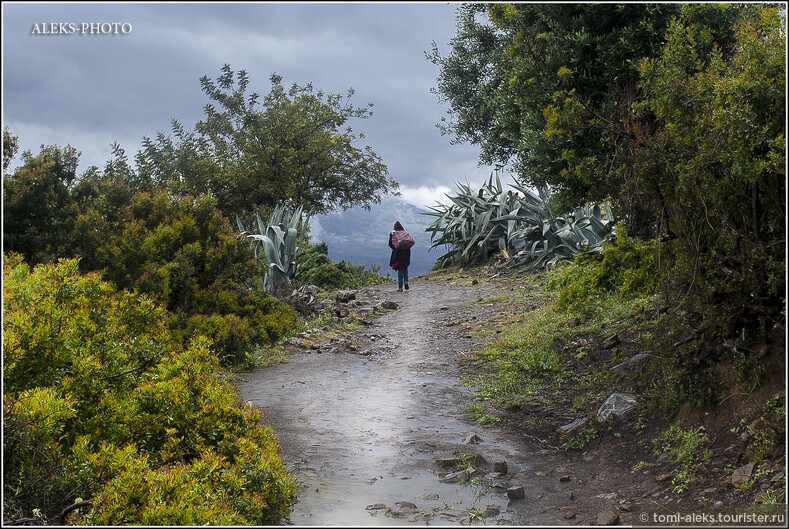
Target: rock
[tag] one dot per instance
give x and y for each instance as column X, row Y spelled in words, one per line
column 742, row 474
column 572, row 429
column 616, row 406
column 326, row 304
column 387, row 305
column 404, row 510
column 473, row 439
column 608, row 518
column 475, row 460
column 569, row 515
column 500, row 466
column 564, row 478
column 492, row 510
column 638, row 361
column 308, row 289
column 448, row 462
column 455, row 477
column 344, row 296
column 664, row 477
column 611, row 342
column 606, row 496
column 493, row 475
column 431, row 496
column 516, row 493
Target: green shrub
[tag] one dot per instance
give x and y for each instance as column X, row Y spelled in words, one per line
column 102, row 402
column 310, row 258
column 687, row 449
column 626, row 267
column 316, row 268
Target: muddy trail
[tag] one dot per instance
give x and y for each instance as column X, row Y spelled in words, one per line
column 376, row 429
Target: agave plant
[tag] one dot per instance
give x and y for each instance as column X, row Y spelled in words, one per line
column 278, row 239
column 466, row 226
column 541, row 239
column 479, row 224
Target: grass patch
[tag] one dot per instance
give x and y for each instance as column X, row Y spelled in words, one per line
column 493, row 300
column 687, row 448
column 577, row 442
column 479, row 414
column 526, row 348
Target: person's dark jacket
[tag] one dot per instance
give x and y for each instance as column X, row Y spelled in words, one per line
column 399, row 256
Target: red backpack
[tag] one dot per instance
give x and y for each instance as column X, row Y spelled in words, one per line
column 402, row 240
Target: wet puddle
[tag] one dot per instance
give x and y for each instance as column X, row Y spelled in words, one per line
column 380, row 501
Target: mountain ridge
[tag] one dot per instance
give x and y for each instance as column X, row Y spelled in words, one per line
column 360, row 237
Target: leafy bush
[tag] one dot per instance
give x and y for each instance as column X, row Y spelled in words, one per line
column 316, row 268
column 626, row 267
column 103, row 403
column 180, row 250
column 311, row 257
column 184, row 254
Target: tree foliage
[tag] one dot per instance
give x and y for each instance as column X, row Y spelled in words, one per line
column 294, row 146
column 10, row 148
column 179, row 250
column 675, row 112
column 546, row 88
column 37, row 208
column 715, row 157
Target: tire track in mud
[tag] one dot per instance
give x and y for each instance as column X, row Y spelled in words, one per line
column 366, row 427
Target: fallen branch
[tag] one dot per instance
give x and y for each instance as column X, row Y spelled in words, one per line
column 73, row 507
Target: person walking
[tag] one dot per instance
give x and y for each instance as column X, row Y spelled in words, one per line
column 400, row 259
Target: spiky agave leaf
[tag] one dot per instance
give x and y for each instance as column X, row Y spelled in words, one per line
column 278, row 239
column 478, row 224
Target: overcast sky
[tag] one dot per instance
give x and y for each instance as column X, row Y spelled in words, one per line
column 90, row 90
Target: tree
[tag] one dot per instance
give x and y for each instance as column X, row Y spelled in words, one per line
column 10, row 148
column 716, row 153
column 548, row 90
column 292, row 148
column 38, row 210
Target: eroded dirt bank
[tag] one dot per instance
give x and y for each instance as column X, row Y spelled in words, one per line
column 364, row 428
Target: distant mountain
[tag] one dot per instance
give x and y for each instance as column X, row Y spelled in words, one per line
column 360, row 237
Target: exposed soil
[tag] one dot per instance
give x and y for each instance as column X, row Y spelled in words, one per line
column 369, row 425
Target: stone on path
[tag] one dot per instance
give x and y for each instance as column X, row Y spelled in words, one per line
column 608, row 518
column 516, row 493
column 615, row 406
column 742, row 474
column 473, row 439
column 456, row 477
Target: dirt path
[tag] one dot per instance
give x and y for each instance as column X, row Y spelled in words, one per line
column 362, row 430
